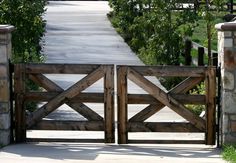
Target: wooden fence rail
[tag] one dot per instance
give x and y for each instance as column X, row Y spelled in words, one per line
column 199, row 60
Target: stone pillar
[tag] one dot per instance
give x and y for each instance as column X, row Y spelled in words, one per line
column 5, row 113
column 227, row 61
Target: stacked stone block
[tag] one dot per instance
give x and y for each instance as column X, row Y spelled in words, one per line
column 5, row 113
column 227, row 61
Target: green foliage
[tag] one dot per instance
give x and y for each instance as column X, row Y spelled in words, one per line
column 209, row 12
column 200, row 89
column 26, row 16
column 153, row 29
column 156, row 31
column 229, row 153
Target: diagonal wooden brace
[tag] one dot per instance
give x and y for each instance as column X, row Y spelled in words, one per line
column 166, row 99
column 64, row 96
column 150, row 110
column 82, row 109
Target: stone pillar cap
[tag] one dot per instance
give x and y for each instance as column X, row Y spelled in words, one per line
column 6, row 28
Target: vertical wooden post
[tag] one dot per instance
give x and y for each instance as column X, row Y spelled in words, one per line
column 109, row 104
column 19, row 88
column 188, row 47
column 201, row 56
column 215, row 59
column 122, row 104
column 231, row 6
column 210, row 106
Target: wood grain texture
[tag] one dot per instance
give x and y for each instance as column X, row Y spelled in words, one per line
column 19, row 88
column 69, row 125
column 170, row 71
column 122, row 101
column 163, row 127
column 67, row 94
column 79, row 107
column 109, row 105
column 48, row 68
column 210, row 106
column 166, row 99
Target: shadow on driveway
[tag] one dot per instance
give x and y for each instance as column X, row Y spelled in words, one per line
column 63, row 151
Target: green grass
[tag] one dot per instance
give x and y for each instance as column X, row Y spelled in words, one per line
column 229, row 153
column 200, row 33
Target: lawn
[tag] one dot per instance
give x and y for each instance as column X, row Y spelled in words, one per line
column 229, row 153
column 200, row 33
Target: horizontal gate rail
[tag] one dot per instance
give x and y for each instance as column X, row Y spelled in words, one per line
column 175, row 99
column 55, row 96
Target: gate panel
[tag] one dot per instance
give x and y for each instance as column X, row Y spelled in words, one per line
column 55, row 96
column 158, row 99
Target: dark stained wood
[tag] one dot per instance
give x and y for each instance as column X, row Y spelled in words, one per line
column 187, row 52
column 19, row 88
column 46, row 83
column 183, row 87
column 47, row 68
column 186, row 85
column 210, row 106
column 109, row 105
column 170, row 71
column 146, row 112
column 69, row 125
column 122, row 101
column 65, row 140
column 82, row 109
column 215, row 59
column 201, row 52
column 166, row 99
column 47, row 96
column 85, row 111
column 183, row 98
column 67, row 94
column 166, row 141
column 162, row 127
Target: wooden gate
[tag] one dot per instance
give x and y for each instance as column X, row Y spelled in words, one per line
column 55, row 96
column 175, row 99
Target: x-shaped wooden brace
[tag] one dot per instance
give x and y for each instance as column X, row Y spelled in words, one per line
column 165, row 99
column 65, row 96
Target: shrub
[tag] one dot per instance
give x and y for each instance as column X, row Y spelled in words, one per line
column 153, row 29
column 229, row 153
column 26, row 16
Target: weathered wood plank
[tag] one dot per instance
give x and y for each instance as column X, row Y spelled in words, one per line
column 109, row 105
column 210, row 106
column 162, row 127
column 166, row 99
column 183, row 87
column 48, row 68
column 146, row 112
column 19, row 88
column 186, row 85
column 170, row 71
column 65, row 140
column 69, row 125
column 85, row 111
column 47, row 96
column 82, row 109
column 44, row 82
column 183, row 98
column 166, row 141
column 122, row 101
column 67, row 94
